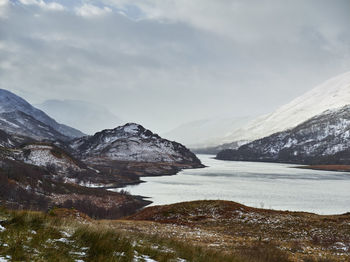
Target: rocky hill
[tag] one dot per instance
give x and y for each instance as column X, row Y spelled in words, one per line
column 323, row 139
column 132, row 142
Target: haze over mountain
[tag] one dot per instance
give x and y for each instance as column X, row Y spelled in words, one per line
column 83, row 115
column 206, row 132
column 333, row 93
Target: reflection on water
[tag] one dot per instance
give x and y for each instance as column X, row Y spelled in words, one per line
column 267, row 185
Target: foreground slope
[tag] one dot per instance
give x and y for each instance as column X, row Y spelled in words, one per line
column 202, row 231
column 226, row 225
column 323, row 139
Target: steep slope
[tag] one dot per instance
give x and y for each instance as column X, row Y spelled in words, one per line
column 17, row 122
column 332, row 94
column 206, row 132
column 132, row 142
column 9, row 141
column 10, row 103
column 323, row 139
column 85, row 116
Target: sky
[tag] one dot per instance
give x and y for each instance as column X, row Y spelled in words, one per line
column 162, row 63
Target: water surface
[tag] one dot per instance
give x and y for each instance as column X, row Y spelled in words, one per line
column 263, row 185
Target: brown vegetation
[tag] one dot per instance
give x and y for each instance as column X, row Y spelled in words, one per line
column 231, row 226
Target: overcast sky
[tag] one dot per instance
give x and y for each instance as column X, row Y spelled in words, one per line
column 166, row 62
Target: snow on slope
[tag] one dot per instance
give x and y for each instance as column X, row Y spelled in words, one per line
column 132, row 142
column 45, row 155
column 10, row 102
column 332, row 94
column 323, row 139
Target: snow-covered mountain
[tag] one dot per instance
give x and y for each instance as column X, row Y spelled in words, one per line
column 132, row 142
column 333, row 93
column 83, row 115
column 19, row 117
column 19, row 123
column 323, row 139
column 206, row 132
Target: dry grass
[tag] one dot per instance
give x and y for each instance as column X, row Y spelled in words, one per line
column 232, row 226
column 192, row 231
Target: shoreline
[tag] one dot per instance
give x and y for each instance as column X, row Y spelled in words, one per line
column 335, row 168
column 122, row 185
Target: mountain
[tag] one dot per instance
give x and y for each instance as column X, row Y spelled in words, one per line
column 132, row 142
column 333, row 93
column 206, row 132
column 19, row 123
column 18, row 116
column 83, row 115
column 213, row 150
column 323, row 139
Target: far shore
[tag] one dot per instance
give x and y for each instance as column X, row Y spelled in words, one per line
column 339, row 168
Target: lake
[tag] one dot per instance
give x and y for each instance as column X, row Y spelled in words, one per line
column 263, row 185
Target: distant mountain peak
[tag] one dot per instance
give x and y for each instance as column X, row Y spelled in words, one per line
column 331, row 94
column 129, row 129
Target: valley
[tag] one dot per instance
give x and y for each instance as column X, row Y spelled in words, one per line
column 84, row 192
column 174, row 131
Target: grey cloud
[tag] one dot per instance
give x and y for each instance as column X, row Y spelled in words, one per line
column 162, row 63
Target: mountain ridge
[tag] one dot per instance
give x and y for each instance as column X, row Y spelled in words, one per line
column 323, row 139
column 11, row 103
column 331, row 94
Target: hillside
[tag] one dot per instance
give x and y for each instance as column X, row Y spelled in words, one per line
column 331, row 94
column 200, row 231
column 323, row 139
column 132, row 142
column 226, row 225
column 18, row 116
column 20, row 123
